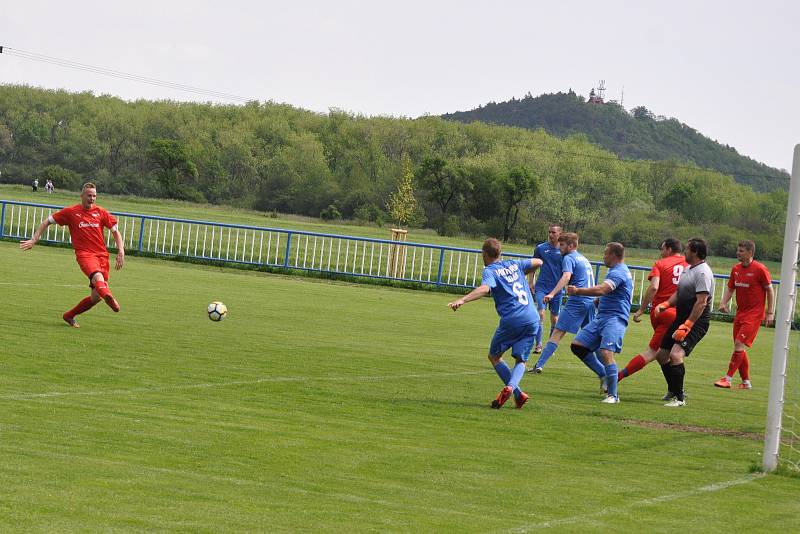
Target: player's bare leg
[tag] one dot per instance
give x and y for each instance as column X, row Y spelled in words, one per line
column 100, row 286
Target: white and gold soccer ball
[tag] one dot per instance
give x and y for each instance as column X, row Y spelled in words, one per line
column 217, row 311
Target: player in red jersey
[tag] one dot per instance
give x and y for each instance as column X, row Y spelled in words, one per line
column 86, row 222
column 664, row 277
column 752, row 283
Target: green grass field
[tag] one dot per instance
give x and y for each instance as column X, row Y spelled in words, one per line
column 340, row 407
column 227, row 214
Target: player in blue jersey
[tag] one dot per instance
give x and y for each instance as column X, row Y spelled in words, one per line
column 604, row 334
column 505, row 280
column 546, row 280
column 579, row 309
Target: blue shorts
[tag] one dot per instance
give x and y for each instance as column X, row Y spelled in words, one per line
column 520, row 339
column 576, row 314
column 603, row 333
column 554, row 304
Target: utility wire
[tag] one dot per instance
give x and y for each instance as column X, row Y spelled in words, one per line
column 42, row 58
column 33, row 56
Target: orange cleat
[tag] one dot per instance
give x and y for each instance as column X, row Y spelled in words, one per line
column 112, row 302
column 501, row 399
column 523, row 398
column 744, row 386
column 723, row 383
column 70, row 321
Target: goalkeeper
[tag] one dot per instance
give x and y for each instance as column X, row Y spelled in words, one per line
column 692, row 301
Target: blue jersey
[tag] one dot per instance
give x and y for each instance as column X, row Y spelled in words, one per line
column 581, row 269
column 550, row 271
column 618, row 302
column 512, row 296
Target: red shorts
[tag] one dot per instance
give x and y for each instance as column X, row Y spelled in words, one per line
column 745, row 329
column 93, row 263
column 660, row 326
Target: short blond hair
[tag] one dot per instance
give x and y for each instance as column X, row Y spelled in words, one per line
column 570, row 238
column 88, row 185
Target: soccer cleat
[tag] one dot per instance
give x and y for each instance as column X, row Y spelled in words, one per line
column 70, row 321
column 744, row 386
column 723, row 383
column 536, row 370
column 112, row 302
column 610, row 399
column 523, row 398
column 537, row 349
column 501, row 399
column 675, row 403
column 670, row 395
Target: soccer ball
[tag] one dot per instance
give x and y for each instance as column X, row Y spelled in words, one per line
column 217, row 311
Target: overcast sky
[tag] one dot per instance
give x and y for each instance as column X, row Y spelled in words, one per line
column 730, row 69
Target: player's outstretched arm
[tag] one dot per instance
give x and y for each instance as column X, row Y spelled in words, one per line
column 120, row 249
column 535, row 264
column 29, row 243
column 594, row 291
column 475, row 294
column 559, row 286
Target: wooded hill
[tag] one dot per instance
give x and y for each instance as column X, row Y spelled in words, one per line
column 477, row 179
column 635, row 135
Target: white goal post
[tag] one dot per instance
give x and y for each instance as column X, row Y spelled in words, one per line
column 783, row 320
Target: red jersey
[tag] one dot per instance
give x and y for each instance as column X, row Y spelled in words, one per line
column 751, row 285
column 669, row 271
column 86, row 227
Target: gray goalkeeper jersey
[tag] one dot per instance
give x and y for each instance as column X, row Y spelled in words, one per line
column 694, row 280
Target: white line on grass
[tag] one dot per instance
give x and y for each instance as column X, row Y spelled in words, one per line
column 645, row 502
column 270, row 379
column 81, row 286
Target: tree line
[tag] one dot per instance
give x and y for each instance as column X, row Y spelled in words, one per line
column 636, row 135
column 476, row 179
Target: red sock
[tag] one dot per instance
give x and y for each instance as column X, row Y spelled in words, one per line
column 84, row 305
column 736, row 361
column 102, row 289
column 636, row 364
column 744, row 369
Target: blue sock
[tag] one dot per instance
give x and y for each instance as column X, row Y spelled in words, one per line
column 593, row 363
column 503, row 372
column 611, row 378
column 516, row 376
column 538, row 336
column 505, row 375
column 548, row 351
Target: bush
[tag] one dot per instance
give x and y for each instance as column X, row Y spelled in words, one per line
column 331, row 213
column 62, row 178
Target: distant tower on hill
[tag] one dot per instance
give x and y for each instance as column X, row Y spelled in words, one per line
column 597, row 98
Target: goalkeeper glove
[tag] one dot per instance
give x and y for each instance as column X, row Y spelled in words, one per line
column 683, row 330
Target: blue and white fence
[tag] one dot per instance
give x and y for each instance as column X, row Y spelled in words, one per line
column 275, row 247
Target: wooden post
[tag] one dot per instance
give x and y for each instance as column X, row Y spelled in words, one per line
column 397, row 253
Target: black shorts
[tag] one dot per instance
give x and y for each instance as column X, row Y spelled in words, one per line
column 695, row 335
